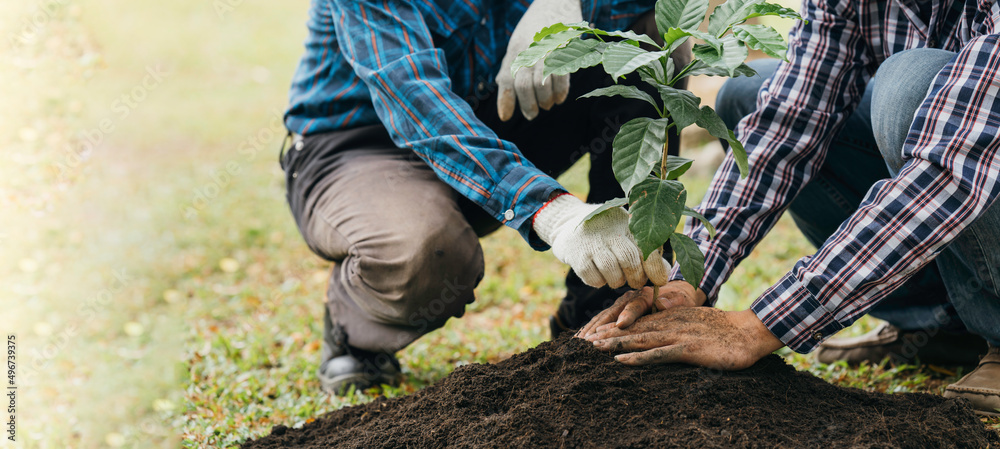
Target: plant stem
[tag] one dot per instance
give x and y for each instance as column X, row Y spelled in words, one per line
column 663, row 158
column 683, row 72
column 663, row 175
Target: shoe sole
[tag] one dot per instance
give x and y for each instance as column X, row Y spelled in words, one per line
column 341, row 384
column 986, row 413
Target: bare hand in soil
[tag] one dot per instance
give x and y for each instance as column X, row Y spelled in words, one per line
column 703, row 336
column 637, row 303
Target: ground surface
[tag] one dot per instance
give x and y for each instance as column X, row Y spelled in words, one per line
column 149, row 265
column 566, row 394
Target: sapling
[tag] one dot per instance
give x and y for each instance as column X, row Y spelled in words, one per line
column 648, row 175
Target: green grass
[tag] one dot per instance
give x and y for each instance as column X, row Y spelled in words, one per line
column 213, row 336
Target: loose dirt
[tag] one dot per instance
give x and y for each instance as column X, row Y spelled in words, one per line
column 565, row 394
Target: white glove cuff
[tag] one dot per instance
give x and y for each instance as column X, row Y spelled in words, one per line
column 554, row 215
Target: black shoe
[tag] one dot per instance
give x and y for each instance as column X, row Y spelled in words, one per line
column 343, row 366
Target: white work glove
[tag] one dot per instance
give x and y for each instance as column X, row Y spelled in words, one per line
column 532, row 91
column 601, row 251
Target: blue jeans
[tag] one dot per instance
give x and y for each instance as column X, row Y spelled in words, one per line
column 958, row 291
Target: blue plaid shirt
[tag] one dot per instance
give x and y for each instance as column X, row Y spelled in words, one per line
column 415, row 66
column 951, row 172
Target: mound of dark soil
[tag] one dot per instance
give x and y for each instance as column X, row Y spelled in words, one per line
column 566, row 394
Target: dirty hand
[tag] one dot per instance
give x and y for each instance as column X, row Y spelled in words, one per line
column 637, row 303
column 602, row 250
column 703, row 336
column 533, row 91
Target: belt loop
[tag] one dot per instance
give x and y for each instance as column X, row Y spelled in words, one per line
column 284, row 146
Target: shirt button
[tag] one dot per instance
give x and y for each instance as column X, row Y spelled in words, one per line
column 483, row 22
column 299, row 145
column 481, row 86
column 295, row 174
column 817, row 335
column 509, row 215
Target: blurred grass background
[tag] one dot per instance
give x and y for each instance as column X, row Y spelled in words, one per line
column 160, row 292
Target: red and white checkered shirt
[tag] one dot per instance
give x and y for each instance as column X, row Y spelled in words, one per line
column 950, row 176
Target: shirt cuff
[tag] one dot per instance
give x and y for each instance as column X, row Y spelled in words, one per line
column 794, row 315
column 518, row 196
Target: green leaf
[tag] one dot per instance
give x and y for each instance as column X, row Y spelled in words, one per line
column 624, row 91
column 608, row 205
column 654, row 73
column 709, row 39
column 763, row 38
column 577, row 54
column 701, row 69
column 735, row 12
column 551, row 29
column 712, row 123
column 559, row 27
column 677, row 166
column 731, row 57
column 728, row 14
column 539, row 50
column 689, row 257
column 674, row 38
column 771, row 9
column 655, row 208
column 629, row 35
column 682, row 104
column 683, row 14
column 740, row 154
column 636, row 149
column 708, row 225
column 620, row 59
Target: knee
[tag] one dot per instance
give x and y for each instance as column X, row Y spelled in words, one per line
column 738, row 96
column 908, row 74
column 427, row 273
column 900, row 85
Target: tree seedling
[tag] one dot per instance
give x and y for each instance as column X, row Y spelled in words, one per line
column 649, row 176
